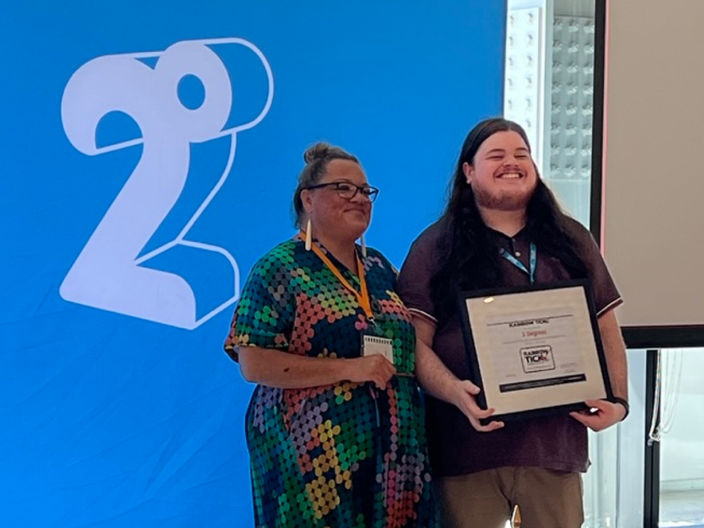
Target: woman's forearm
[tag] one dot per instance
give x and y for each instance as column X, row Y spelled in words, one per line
column 283, row 370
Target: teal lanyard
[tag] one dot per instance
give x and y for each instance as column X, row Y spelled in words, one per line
column 513, row 260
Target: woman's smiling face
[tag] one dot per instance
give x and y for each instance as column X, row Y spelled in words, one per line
column 339, row 217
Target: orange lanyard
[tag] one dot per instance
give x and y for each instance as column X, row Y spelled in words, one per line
column 361, row 296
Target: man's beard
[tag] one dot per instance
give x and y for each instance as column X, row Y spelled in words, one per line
column 502, row 201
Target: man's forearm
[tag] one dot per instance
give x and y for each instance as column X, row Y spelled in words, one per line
column 615, row 352
column 432, row 373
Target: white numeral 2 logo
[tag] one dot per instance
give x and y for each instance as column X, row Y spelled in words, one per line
column 109, row 273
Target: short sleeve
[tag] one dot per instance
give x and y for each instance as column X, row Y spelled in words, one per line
column 376, row 258
column 414, row 277
column 606, row 295
column 264, row 313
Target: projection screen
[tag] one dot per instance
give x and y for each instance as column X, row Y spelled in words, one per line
column 652, row 190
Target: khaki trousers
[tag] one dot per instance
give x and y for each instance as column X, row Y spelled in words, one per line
column 546, row 498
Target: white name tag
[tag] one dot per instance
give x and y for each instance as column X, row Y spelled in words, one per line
column 381, row 346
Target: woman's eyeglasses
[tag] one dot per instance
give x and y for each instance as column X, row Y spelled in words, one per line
column 349, row 190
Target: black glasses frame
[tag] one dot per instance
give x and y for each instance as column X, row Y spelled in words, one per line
column 367, row 191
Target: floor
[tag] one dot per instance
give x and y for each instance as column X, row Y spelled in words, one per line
column 682, row 509
column 678, row 509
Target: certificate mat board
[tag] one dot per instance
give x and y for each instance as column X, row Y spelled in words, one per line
column 534, row 350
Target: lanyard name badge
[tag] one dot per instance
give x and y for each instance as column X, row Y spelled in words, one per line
column 533, row 261
column 371, row 344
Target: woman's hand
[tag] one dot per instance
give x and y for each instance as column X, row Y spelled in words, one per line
column 465, row 400
column 373, row 368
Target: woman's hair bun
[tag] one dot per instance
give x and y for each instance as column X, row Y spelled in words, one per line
column 316, row 152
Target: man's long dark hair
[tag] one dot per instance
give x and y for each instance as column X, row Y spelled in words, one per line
column 468, row 255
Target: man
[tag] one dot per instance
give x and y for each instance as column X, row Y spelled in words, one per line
column 503, row 227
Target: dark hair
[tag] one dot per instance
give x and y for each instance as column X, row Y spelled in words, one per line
column 316, row 158
column 468, row 256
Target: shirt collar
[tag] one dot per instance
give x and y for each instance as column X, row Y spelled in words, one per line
column 522, row 235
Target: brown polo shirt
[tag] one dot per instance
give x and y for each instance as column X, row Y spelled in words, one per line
column 552, row 442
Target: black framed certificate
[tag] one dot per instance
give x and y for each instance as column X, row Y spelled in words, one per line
column 534, row 350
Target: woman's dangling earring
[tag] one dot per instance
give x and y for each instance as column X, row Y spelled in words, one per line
column 309, row 235
column 364, row 246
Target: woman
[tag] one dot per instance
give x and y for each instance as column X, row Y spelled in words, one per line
column 335, row 426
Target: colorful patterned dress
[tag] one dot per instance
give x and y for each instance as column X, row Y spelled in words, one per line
column 341, row 455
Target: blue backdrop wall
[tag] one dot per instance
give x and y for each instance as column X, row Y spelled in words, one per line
column 150, row 150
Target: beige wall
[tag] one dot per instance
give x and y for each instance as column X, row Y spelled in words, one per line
column 654, row 178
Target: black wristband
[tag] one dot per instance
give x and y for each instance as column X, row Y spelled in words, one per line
column 623, row 402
